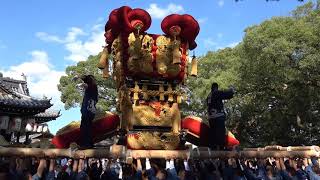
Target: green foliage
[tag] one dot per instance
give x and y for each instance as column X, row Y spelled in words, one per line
column 276, row 73
column 72, row 97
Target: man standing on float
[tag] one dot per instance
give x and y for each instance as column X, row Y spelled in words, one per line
column 88, row 110
column 217, row 116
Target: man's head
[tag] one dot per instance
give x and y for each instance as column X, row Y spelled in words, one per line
column 88, row 79
column 214, row 86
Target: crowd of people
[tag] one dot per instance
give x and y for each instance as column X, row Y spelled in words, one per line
column 159, row 169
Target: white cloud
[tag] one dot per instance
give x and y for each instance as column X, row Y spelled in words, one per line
column 220, row 3
column 80, row 50
column 210, row 43
column 2, row 46
column 73, row 34
column 230, row 45
column 157, row 12
column 48, row 38
column 233, row 44
column 77, row 42
column 41, row 76
column 220, row 35
column 202, row 20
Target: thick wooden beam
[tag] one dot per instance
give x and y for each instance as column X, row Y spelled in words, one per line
column 165, row 154
column 280, row 148
column 253, row 154
column 37, row 152
column 119, row 152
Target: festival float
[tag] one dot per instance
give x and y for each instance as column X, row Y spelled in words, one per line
column 149, row 71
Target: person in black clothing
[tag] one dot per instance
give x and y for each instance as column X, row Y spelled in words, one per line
column 88, row 110
column 217, row 116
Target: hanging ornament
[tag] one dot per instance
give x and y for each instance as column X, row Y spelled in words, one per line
column 175, row 32
column 179, row 99
column 45, row 128
column 29, row 127
column 105, row 71
column 103, row 62
column 170, row 95
column 176, row 54
column 4, row 122
column 39, row 129
column 144, row 91
column 194, row 65
column 161, row 90
column 136, row 92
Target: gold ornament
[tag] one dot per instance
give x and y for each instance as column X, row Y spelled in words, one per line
column 170, row 96
column 144, row 92
column 161, row 90
column 103, row 62
column 136, row 91
column 194, row 66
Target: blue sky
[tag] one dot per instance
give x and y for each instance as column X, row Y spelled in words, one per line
column 41, row 38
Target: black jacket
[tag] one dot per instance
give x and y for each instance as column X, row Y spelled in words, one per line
column 90, row 100
column 215, row 104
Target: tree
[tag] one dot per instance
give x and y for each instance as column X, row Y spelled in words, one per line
column 276, row 72
column 221, row 67
column 72, row 97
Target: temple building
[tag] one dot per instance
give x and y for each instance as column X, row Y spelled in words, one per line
column 21, row 114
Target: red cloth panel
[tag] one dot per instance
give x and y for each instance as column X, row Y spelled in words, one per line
column 99, row 127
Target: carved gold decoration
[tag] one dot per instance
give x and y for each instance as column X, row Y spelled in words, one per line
column 140, row 51
column 153, row 140
column 125, row 108
column 164, row 55
column 154, row 114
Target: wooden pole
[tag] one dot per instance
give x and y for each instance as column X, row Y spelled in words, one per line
column 167, row 154
column 51, row 153
column 253, row 154
column 280, row 148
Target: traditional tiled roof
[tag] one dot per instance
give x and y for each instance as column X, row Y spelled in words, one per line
column 24, row 106
column 47, row 116
column 19, row 101
column 18, row 86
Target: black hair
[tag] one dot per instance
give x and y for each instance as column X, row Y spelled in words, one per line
column 214, row 86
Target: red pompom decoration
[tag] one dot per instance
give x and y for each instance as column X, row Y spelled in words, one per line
column 188, row 25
